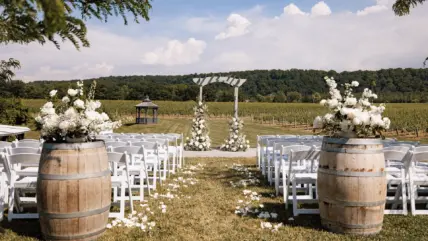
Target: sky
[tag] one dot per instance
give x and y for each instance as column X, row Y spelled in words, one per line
column 204, row 36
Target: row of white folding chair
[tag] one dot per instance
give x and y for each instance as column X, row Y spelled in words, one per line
column 163, row 148
column 20, row 176
column 267, row 148
column 261, row 143
column 177, row 139
column 299, row 170
column 272, row 156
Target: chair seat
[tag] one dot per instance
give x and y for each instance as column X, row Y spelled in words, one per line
column 26, row 182
column 28, row 171
column 116, row 181
column 307, row 176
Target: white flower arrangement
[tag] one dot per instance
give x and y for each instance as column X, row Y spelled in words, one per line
column 200, row 140
column 74, row 116
column 236, row 141
column 349, row 116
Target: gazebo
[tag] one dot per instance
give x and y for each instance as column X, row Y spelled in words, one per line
column 146, row 105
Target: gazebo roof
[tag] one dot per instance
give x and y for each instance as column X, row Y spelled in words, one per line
column 147, row 103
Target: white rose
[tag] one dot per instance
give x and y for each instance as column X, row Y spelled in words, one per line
column 322, row 102
column 72, row 92
column 350, row 101
column 355, row 83
column 79, row 104
column 356, row 122
column 53, row 93
column 65, row 100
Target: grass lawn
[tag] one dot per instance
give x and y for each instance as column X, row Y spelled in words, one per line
column 206, row 211
column 219, row 129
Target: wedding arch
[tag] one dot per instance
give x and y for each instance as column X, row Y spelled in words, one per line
column 236, row 83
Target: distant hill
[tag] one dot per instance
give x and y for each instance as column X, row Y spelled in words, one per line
column 392, row 85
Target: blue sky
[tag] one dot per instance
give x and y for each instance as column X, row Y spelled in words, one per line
column 200, row 36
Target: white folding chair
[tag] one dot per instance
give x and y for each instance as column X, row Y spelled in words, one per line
column 398, row 162
column 418, row 182
column 20, row 181
column 297, row 176
column 138, row 169
column 163, row 155
column 120, row 180
column 281, row 170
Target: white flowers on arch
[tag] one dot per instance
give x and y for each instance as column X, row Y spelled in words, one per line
column 74, row 116
column 349, row 116
column 236, row 141
column 200, row 140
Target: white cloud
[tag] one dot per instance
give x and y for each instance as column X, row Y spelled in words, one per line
column 176, row 53
column 237, row 26
column 292, row 9
column 320, row 9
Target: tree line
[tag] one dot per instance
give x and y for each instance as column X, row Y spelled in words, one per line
column 392, row 86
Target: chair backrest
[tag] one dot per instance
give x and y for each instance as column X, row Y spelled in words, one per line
column 4, row 144
column 23, row 150
column 299, row 155
column 397, row 148
column 295, row 148
column 402, row 143
column 129, row 140
column 27, row 144
column 128, row 149
column 420, row 149
column 164, row 142
column 146, row 144
column 116, row 144
column 394, row 155
column 421, row 156
column 24, row 159
column 29, row 140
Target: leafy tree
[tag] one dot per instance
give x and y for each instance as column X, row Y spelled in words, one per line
column 25, row 21
column 316, row 97
column 402, row 7
column 294, row 96
column 6, row 73
column 280, row 97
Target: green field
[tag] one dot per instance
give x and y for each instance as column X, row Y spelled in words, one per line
column 403, row 116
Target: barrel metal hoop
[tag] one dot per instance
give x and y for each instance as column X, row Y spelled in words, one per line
column 75, row 214
column 352, row 141
column 351, row 174
column 353, row 151
column 356, row 226
column 354, row 204
column 73, row 146
column 74, row 237
column 74, row 176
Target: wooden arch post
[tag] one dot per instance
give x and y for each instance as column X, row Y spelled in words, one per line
column 236, row 83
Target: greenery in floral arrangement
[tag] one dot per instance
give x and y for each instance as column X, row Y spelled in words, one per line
column 349, row 116
column 236, row 141
column 200, row 140
column 73, row 116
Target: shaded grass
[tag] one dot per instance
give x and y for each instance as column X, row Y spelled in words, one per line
column 209, row 214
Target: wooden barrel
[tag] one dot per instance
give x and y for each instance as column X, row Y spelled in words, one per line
column 351, row 185
column 73, row 191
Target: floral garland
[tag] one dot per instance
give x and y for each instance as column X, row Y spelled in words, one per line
column 74, row 116
column 236, row 141
column 349, row 116
column 200, row 140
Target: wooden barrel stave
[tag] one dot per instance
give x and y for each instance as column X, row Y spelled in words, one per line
column 74, row 191
column 343, row 169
